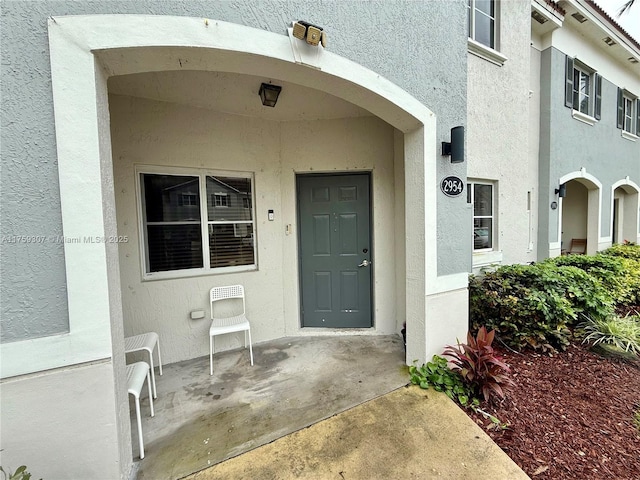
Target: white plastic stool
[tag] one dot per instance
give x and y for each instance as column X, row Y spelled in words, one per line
column 136, row 374
column 145, row 341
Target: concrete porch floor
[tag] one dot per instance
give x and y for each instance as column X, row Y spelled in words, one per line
column 295, row 382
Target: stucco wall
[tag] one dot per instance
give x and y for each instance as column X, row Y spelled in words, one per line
column 534, row 138
column 62, row 424
column 568, row 145
column 436, row 75
column 547, row 229
column 146, row 132
column 498, row 138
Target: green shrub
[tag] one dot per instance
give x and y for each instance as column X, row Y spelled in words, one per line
column 609, row 270
column 620, row 332
column 438, row 375
column 20, row 474
column 534, row 305
column 624, row 250
column 631, row 279
column 629, row 256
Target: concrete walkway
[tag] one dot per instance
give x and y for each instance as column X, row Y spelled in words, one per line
column 202, row 420
column 408, row 433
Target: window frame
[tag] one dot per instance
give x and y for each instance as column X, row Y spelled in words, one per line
column 577, row 90
column 471, row 186
column 490, row 54
column 621, row 115
column 191, row 197
column 594, row 95
column 628, row 113
column 219, row 196
column 204, row 222
column 472, row 11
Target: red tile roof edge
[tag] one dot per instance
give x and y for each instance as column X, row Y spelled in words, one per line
column 613, row 22
column 554, row 5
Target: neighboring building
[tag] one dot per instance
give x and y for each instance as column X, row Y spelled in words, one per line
column 502, row 176
column 142, row 139
column 586, row 74
column 558, row 108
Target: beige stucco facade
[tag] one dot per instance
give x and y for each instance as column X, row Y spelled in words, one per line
column 173, row 137
column 499, row 102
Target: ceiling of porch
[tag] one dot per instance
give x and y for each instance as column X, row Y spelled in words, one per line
column 234, row 94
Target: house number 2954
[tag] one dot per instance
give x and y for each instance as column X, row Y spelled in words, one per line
column 452, row 186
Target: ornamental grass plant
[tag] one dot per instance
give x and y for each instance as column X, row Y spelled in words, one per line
column 620, row 332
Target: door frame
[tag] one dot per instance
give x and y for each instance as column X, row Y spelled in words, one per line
column 369, row 174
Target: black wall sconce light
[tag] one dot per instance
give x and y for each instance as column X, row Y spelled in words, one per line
column 562, row 190
column 269, row 94
column 312, row 34
column 455, row 148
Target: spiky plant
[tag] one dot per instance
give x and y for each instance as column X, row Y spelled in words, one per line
column 621, row 332
column 480, row 366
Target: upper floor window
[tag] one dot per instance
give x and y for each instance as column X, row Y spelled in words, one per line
column 189, row 199
column 183, row 234
column 628, row 113
column 220, row 200
column 583, row 91
column 482, row 21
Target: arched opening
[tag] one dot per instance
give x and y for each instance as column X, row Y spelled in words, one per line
column 86, row 54
column 580, row 216
column 179, row 127
column 624, row 217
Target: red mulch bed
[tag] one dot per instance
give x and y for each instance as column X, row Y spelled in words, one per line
column 570, row 416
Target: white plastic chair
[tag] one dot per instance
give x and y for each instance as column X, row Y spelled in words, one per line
column 222, row 325
column 136, row 374
column 146, row 341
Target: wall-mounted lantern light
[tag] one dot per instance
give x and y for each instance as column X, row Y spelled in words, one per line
column 312, row 34
column 269, row 94
column 455, row 148
column 562, row 190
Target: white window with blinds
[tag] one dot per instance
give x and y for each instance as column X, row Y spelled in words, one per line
column 194, row 222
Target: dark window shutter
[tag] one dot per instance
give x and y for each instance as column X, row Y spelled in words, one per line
column 620, row 121
column 568, row 75
column 638, row 116
column 598, row 108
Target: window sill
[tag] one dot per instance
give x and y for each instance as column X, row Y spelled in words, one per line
column 583, row 117
column 484, row 258
column 486, row 53
column 629, row 136
column 196, row 272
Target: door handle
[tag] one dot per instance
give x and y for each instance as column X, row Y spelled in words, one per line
column 365, row 263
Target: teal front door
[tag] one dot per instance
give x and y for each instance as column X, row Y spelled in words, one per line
column 334, row 221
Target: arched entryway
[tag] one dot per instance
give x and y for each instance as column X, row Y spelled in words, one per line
column 624, row 215
column 580, row 212
column 87, row 51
